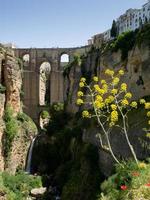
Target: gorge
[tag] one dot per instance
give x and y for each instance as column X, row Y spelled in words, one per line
column 67, row 153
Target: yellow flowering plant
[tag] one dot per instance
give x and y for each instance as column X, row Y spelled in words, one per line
column 111, row 102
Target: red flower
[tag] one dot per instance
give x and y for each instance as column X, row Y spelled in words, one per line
column 123, row 187
column 135, row 174
column 148, row 184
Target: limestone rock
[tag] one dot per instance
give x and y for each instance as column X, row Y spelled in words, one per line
column 13, row 81
column 38, row 192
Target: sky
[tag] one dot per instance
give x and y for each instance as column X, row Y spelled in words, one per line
column 58, row 23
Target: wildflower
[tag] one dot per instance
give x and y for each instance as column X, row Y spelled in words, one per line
column 83, row 80
column 101, row 91
column 115, row 80
column 121, row 72
column 80, row 94
column 114, row 116
column 105, row 87
column 95, row 78
column 96, row 87
column 79, row 102
column 111, row 98
column 148, row 184
column 148, row 114
column 86, row 114
column 124, row 102
column 142, row 165
column 124, row 87
column 109, row 72
column 148, row 135
column 147, row 105
column 142, row 101
column 111, row 124
column 123, row 187
column 133, row 104
column 128, row 95
column 81, row 84
column 103, row 81
column 99, row 98
column 99, row 105
column 135, row 174
column 113, row 107
column 114, row 91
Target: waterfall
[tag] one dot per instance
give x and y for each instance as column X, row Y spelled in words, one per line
column 28, row 163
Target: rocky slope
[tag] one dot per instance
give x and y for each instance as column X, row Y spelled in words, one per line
column 10, row 88
column 137, row 67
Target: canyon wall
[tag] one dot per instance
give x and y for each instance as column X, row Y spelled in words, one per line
column 10, row 88
column 137, row 68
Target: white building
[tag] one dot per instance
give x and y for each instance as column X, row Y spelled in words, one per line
column 132, row 18
column 129, row 21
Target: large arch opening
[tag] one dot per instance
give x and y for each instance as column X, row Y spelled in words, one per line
column 44, row 85
column 2, row 77
column 64, row 60
column 2, row 73
column 26, row 59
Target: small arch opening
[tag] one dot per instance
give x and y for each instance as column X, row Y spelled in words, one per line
column 44, row 88
column 26, row 59
column 44, row 118
column 64, row 60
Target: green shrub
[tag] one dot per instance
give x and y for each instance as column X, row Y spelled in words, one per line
column 45, row 114
column 125, row 43
column 11, row 129
column 18, row 187
column 2, row 89
column 130, row 182
column 23, row 117
column 144, row 35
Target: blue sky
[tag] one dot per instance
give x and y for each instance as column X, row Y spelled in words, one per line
column 58, row 23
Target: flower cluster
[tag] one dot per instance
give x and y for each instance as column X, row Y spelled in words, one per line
column 86, row 114
column 133, row 104
column 95, row 78
column 80, row 94
column 109, row 72
column 124, row 87
column 114, row 116
column 79, row 102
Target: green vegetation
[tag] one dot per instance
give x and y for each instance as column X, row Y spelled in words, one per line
column 11, row 129
column 131, row 182
column 144, row 35
column 73, row 163
column 75, row 62
column 45, row 114
column 17, row 187
column 127, row 40
column 2, row 89
column 125, row 43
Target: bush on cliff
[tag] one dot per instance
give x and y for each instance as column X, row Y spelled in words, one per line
column 11, row 129
column 131, row 182
column 18, row 187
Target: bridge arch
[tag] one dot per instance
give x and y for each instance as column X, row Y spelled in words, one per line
column 64, row 59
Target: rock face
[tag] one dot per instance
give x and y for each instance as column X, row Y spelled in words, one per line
column 137, row 67
column 10, row 87
column 13, row 82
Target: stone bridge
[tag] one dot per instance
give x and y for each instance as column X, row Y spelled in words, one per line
column 32, row 73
